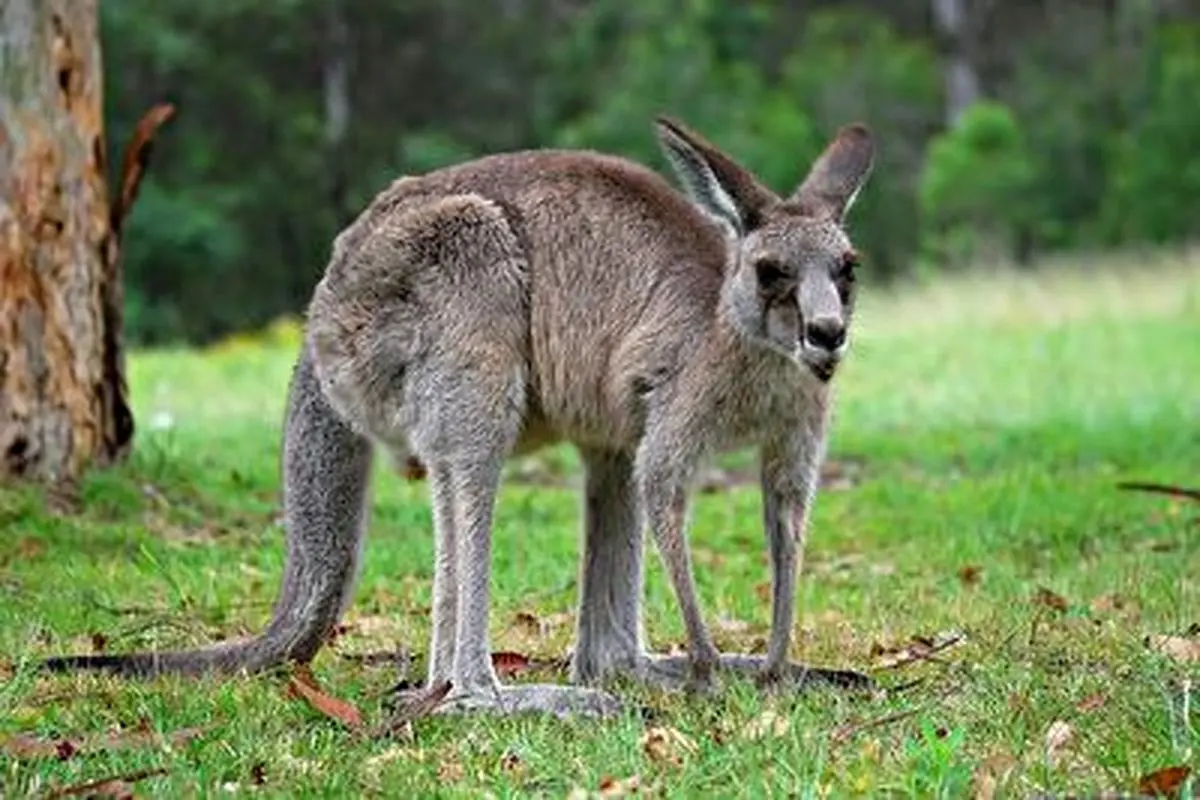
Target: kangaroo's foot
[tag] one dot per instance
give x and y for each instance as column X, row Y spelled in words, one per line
column 543, row 698
column 673, row 672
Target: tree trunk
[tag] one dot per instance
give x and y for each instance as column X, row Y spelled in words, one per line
column 956, row 29
column 336, row 79
column 62, row 388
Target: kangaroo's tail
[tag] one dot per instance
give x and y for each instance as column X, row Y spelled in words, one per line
column 326, row 468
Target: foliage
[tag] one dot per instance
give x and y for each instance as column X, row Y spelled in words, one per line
column 252, row 181
column 984, row 504
column 975, row 183
column 1155, row 174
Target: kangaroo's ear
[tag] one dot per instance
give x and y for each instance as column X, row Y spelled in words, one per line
column 721, row 187
column 838, row 174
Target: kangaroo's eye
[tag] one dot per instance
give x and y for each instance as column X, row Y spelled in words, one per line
column 846, row 267
column 771, row 274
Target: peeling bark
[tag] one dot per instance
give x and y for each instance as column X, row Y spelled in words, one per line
column 62, row 386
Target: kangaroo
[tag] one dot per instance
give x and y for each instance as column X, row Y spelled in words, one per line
column 493, row 307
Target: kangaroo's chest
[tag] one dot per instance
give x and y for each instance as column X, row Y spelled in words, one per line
column 768, row 403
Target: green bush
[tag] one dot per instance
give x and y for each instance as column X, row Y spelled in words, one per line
column 975, row 187
column 1155, row 170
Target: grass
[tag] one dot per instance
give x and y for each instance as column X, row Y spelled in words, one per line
column 992, row 415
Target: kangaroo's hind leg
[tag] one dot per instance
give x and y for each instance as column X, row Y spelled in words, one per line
column 431, row 334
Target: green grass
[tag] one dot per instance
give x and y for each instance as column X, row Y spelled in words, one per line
column 992, row 415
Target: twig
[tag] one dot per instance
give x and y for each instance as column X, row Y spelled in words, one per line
column 846, row 732
column 111, row 787
column 1160, row 488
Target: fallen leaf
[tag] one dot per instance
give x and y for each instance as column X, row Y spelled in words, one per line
column 1049, row 599
column 1160, row 488
column 919, row 648
column 529, row 622
column 989, row 774
column 24, row 746
column 843, row 733
column 372, row 626
column 512, row 763
column 1058, row 738
column 667, row 745
column 507, row 663
column 731, row 625
column 612, row 787
column 24, row 548
column 393, row 754
column 969, row 575
column 766, row 724
column 304, row 684
column 413, row 469
column 1179, row 648
column 451, row 771
column 1106, row 603
column 1164, row 782
column 121, row 786
column 1092, row 702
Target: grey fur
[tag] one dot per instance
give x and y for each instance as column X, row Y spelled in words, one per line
column 326, row 471
column 499, row 305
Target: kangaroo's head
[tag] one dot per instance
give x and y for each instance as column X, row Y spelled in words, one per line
column 789, row 284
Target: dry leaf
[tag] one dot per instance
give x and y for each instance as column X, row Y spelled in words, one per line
column 511, row 761
column 372, row 626
column 1164, row 782
column 451, row 771
column 612, row 787
column 1106, row 603
column 667, row 745
column 507, row 663
column 1092, row 702
column 766, row 724
column 843, row 733
column 1058, row 738
column 23, row 746
column 1179, row 648
column 969, row 575
column 989, row 774
column 732, row 626
column 393, row 754
column 304, row 684
column 540, row 626
column 120, row 787
column 1049, row 599
column 919, row 648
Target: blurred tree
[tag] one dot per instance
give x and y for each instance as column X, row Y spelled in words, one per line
column 299, row 111
column 62, row 385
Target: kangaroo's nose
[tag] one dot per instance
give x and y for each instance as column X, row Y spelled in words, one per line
column 827, row 333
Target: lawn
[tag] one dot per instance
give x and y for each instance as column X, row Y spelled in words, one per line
column 982, row 425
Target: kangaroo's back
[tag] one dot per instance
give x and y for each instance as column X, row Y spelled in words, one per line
column 622, row 273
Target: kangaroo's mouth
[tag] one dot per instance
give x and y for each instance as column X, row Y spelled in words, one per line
column 824, row 371
column 821, row 363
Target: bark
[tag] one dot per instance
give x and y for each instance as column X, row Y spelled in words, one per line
column 336, row 82
column 956, row 25
column 62, row 387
